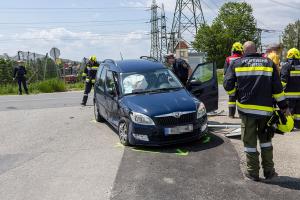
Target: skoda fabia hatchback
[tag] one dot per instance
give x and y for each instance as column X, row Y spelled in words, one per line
column 146, row 103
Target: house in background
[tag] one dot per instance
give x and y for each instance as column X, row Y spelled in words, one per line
column 182, row 50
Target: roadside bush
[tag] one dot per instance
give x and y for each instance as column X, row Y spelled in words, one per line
column 48, row 86
column 8, row 89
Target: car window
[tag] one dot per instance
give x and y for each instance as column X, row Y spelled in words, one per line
column 110, row 82
column 102, row 79
column 99, row 72
column 149, row 81
column 203, row 73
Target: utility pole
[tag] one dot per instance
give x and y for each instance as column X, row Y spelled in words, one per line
column 188, row 16
column 155, row 47
column 45, row 66
column 163, row 34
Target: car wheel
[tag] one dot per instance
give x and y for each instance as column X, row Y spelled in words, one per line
column 123, row 133
column 98, row 117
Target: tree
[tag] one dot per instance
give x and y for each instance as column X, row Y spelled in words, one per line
column 291, row 35
column 6, row 71
column 235, row 22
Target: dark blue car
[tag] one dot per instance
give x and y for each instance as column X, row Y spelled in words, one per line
column 146, row 103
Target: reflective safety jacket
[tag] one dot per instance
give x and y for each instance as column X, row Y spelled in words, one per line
column 256, row 83
column 229, row 60
column 290, row 78
column 90, row 71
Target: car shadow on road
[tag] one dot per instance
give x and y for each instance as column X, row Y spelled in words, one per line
column 207, row 142
column 284, row 182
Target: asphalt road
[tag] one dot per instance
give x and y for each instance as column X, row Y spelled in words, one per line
column 50, row 148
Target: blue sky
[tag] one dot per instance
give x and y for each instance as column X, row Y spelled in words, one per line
column 120, row 27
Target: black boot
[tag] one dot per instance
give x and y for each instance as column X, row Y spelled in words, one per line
column 231, row 112
column 253, row 177
column 84, row 100
column 270, row 174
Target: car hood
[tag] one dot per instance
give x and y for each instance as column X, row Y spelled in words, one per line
column 154, row 104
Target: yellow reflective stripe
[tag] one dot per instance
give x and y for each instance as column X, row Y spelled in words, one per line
column 283, row 83
column 279, row 97
column 296, row 117
column 295, row 72
column 93, row 81
column 292, row 93
column 255, row 107
column 84, row 74
column 248, row 69
column 231, row 103
column 231, row 91
column 94, row 67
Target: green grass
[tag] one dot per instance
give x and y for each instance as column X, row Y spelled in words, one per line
column 48, row 86
column 75, row 86
column 8, row 89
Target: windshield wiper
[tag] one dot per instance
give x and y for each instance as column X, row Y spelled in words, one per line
column 166, row 89
column 154, row 91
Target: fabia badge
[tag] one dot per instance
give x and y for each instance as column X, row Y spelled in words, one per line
column 177, row 115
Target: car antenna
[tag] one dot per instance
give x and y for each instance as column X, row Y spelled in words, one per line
column 121, row 55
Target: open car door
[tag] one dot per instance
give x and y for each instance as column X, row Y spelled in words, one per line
column 203, row 84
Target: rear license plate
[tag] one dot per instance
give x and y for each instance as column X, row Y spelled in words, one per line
column 179, row 129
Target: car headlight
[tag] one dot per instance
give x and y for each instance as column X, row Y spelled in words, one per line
column 142, row 119
column 201, row 111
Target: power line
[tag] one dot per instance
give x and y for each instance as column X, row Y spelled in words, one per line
column 209, row 7
column 73, row 22
column 75, row 26
column 68, row 8
column 285, row 4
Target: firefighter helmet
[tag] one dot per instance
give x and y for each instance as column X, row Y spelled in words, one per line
column 93, row 58
column 293, row 53
column 284, row 124
column 237, row 47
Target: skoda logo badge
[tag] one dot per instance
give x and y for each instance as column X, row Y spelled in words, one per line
column 177, row 115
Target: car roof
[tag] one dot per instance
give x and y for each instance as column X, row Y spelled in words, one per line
column 139, row 65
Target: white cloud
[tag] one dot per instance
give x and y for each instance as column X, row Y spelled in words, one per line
column 76, row 45
column 132, row 4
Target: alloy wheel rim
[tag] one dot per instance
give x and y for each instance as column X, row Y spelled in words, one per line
column 123, row 132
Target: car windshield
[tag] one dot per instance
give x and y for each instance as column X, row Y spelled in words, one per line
column 150, row 81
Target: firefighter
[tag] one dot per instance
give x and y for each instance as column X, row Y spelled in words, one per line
column 19, row 74
column 236, row 52
column 290, row 78
column 89, row 74
column 180, row 67
column 256, row 82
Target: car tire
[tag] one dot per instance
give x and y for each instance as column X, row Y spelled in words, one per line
column 98, row 116
column 123, row 131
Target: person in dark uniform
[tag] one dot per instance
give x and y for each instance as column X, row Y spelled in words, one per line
column 89, row 75
column 290, row 79
column 256, row 82
column 180, row 67
column 19, row 75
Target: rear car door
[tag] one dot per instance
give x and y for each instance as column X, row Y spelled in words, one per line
column 112, row 97
column 100, row 90
column 203, row 84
